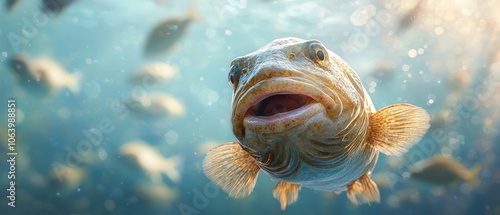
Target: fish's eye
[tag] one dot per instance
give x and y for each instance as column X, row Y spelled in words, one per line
column 234, row 74
column 318, row 53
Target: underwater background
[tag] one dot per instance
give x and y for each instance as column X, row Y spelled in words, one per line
column 443, row 56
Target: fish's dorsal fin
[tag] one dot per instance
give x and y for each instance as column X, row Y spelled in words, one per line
column 232, row 169
column 396, row 128
column 364, row 190
column 287, row 193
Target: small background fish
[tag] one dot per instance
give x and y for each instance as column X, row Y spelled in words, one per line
column 444, row 171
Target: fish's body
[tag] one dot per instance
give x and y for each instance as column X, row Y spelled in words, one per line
column 155, row 104
column 168, row 32
column 301, row 115
column 147, row 159
column 442, row 171
column 153, row 74
column 11, row 4
column 42, row 75
column 55, row 7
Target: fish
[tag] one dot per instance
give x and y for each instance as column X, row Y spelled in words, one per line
column 66, row 177
column 400, row 197
column 442, row 170
column 168, row 32
column 153, row 74
column 385, row 180
column 155, row 104
column 11, row 4
column 411, row 16
column 155, row 194
column 149, row 161
column 42, row 75
column 301, row 115
column 384, row 71
column 55, row 7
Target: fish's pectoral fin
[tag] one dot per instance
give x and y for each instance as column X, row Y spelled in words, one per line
column 363, row 190
column 287, row 193
column 396, row 128
column 232, row 169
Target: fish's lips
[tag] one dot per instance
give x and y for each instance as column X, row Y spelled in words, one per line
column 280, row 111
column 278, row 103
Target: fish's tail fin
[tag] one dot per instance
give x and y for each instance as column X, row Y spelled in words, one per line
column 73, row 83
column 194, row 14
column 172, row 168
column 473, row 175
column 396, row 128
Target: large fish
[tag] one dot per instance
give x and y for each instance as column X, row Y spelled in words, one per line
column 301, row 115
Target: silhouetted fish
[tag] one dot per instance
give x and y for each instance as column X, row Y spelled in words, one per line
column 167, row 33
column 55, row 6
column 410, row 17
column 11, row 4
column 443, row 170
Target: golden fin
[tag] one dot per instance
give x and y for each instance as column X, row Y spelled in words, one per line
column 364, row 190
column 473, row 175
column 232, row 169
column 396, row 128
column 287, row 193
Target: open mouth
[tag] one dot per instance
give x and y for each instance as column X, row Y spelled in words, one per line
column 274, row 104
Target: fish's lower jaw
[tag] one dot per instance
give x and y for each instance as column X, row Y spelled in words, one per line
column 282, row 121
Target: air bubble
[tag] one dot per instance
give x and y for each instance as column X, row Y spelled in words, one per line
column 412, row 53
column 171, row 137
column 92, row 89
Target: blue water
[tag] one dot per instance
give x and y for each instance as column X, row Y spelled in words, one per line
column 102, row 42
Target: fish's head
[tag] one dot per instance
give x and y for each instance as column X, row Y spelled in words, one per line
column 291, row 86
column 19, row 66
